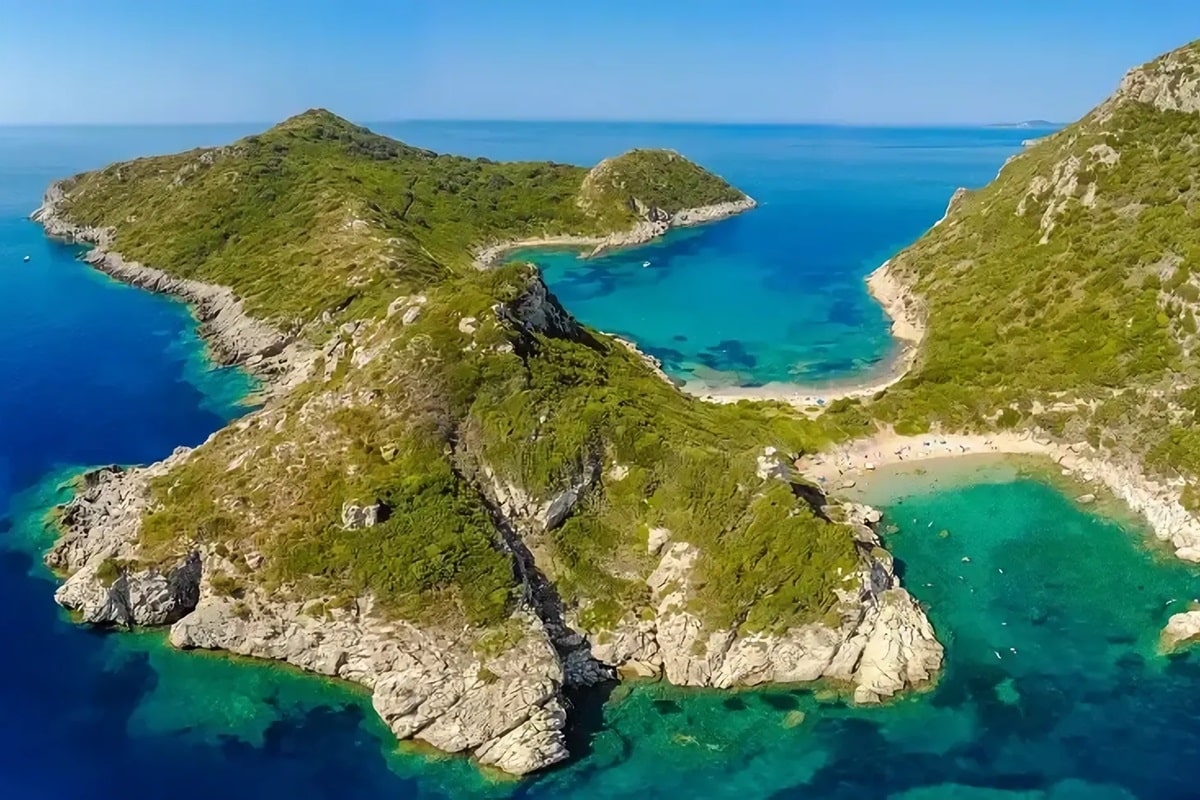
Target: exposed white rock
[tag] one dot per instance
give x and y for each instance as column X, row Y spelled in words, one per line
column 356, row 516
column 1157, row 502
column 772, row 464
column 504, row 709
column 1169, row 83
column 1181, row 629
column 656, row 538
column 106, row 593
column 883, row 644
column 532, row 514
column 899, row 650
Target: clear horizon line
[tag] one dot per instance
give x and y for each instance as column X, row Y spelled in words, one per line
column 544, row 121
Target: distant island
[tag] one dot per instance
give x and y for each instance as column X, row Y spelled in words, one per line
column 1029, row 123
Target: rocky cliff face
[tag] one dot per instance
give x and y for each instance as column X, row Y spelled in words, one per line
column 234, row 337
column 497, row 698
column 882, row 644
column 1168, row 83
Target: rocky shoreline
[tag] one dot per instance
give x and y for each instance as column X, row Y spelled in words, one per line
column 882, row 644
column 234, row 337
column 1157, row 503
column 502, row 705
column 496, row 696
column 654, row 224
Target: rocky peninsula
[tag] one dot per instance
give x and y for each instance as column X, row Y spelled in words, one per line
column 534, row 546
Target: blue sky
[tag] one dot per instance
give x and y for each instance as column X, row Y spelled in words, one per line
column 871, row 61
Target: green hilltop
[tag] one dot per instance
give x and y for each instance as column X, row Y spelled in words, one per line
column 318, row 213
column 438, row 382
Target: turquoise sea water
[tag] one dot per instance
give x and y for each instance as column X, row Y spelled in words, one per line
column 93, row 372
column 776, row 294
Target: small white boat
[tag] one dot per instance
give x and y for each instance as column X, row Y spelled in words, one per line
column 645, row 263
column 26, row 258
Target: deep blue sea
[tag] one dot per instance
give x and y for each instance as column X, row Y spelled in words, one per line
column 1054, row 687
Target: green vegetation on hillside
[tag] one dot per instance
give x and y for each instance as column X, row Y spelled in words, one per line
column 659, row 178
column 1064, row 294
column 317, row 213
column 463, row 380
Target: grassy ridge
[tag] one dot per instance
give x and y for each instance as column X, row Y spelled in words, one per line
column 318, row 213
column 414, row 408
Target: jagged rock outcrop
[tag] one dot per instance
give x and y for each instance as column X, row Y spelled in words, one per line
column 505, row 708
column 234, row 336
column 884, row 642
column 498, row 699
column 96, row 523
column 536, row 514
column 1168, row 83
column 536, row 310
column 109, row 592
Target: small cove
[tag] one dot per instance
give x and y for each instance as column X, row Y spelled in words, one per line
column 1086, row 707
column 776, row 295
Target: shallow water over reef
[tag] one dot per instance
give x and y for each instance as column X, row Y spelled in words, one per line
column 93, row 372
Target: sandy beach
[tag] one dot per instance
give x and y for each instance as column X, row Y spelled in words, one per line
column 489, row 256
column 841, row 468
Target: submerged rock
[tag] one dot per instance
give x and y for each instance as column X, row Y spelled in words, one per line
column 1181, row 629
